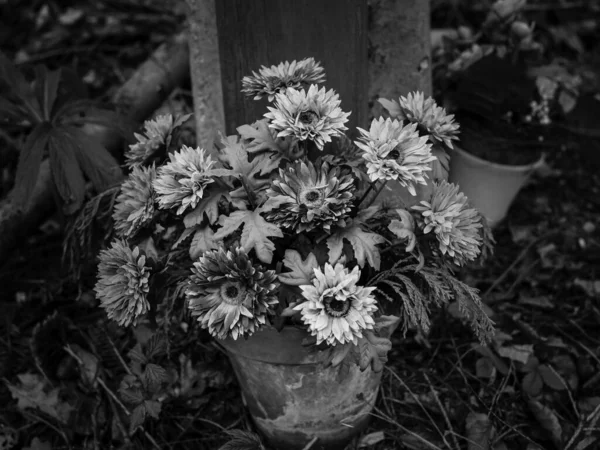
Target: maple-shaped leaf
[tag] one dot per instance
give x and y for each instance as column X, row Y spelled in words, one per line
column 235, row 155
column 363, row 243
column 208, row 205
column 260, row 136
column 255, row 234
column 203, row 241
column 372, row 350
column 302, row 272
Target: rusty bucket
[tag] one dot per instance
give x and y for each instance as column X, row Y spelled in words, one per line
column 293, row 398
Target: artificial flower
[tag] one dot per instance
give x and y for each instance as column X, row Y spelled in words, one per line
column 182, row 181
column 404, row 228
column 336, row 310
column 314, row 115
column 155, row 135
column 275, row 79
column 122, row 285
column 455, row 224
column 229, row 294
column 394, row 151
column 310, row 197
column 135, row 204
column 431, row 118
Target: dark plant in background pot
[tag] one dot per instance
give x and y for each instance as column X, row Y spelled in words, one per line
column 281, row 252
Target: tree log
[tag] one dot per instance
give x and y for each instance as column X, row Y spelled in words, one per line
column 152, row 82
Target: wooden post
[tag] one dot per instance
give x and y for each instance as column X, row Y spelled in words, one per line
column 253, row 33
column 399, row 33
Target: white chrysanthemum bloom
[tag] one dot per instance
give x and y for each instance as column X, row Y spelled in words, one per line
column 155, row 135
column 455, row 224
column 135, row 204
column 394, row 151
column 181, row 182
column 314, row 115
column 122, row 285
column 275, row 79
column 336, row 310
column 425, row 112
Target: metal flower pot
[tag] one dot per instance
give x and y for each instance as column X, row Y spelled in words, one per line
column 293, row 398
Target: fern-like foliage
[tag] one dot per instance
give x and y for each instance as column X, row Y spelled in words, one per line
column 413, row 289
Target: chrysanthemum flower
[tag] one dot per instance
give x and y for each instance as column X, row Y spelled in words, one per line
column 336, row 310
column 275, row 79
column 395, row 152
column 155, row 135
column 425, row 112
column 311, row 197
column 135, row 204
column 314, row 115
column 455, row 224
column 122, row 285
column 181, row 182
column 229, row 294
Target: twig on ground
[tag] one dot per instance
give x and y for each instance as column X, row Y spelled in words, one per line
column 444, row 414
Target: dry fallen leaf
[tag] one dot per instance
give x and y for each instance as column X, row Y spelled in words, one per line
column 547, row 418
column 478, row 428
column 371, row 439
column 520, row 353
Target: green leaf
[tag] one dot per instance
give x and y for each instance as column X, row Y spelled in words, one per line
column 156, row 346
column 386, row 325
column 392, row 107
column 46, row 89
column 532, row 383
column 260, row 136
column 479, row 431
column 37, row 444
column 14, row 85
column 255, row 234
column 242, row 440
column 66, row 173
column 551, row 378
column 337, row 354
column 153, row 377
column 363, row 243
column 548, row 420
column 137, row 418
column 30, row 160
column 153, row 408
column 97, row 163
column 372, row 351
column 208, row 205
column 203, row 241
column 302, row 272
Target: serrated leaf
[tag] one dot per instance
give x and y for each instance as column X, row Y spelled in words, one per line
column 547, row 418
column 372, row 350
column 30, row 159
column 208, row 205
column 187, row 232
column 137, row 355
column 137, row 418
column 203, row 241
column 260, row 135
column 242, row 440
column 479, row 429
column 392, row 107
column 363, row 243
column 130, row 390
column 302, row 271
column 153, row 408
column 386, row 325
column 337, row 354
column 66, row 173
column 153, row 376
column 156, row 346
column 180, row 120
column 255, row 234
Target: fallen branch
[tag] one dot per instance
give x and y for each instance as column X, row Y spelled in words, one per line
column 167, row 68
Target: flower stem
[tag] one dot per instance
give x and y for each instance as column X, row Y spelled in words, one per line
column 372, row 198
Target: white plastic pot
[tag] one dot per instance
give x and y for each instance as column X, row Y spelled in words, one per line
column 490, row 187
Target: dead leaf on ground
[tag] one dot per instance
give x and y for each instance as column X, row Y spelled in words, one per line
column 37, row 444
column 371, row 439
column 520, row 352
column 591, row 287
column 547, row 418
column 478, row 428
column 542, row 301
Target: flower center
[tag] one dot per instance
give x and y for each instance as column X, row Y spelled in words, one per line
column 232, row 293
column 396, row 155
column 337, row 308
column 312, row 198
column 308, row 117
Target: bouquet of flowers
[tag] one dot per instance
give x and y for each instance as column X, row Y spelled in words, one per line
column 281, row 225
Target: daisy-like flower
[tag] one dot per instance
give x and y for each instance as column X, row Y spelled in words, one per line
column 275, row 79
column 181, row 182
column 229, row 294
column 135, row 204
column 336, row 310
column 310, row 197
column 455, row 224
column 122, row 285
column 155, row 135
column 431, row 118
column 395, row 152
column 314, row 115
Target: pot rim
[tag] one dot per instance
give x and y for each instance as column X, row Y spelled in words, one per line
column 503, row 167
